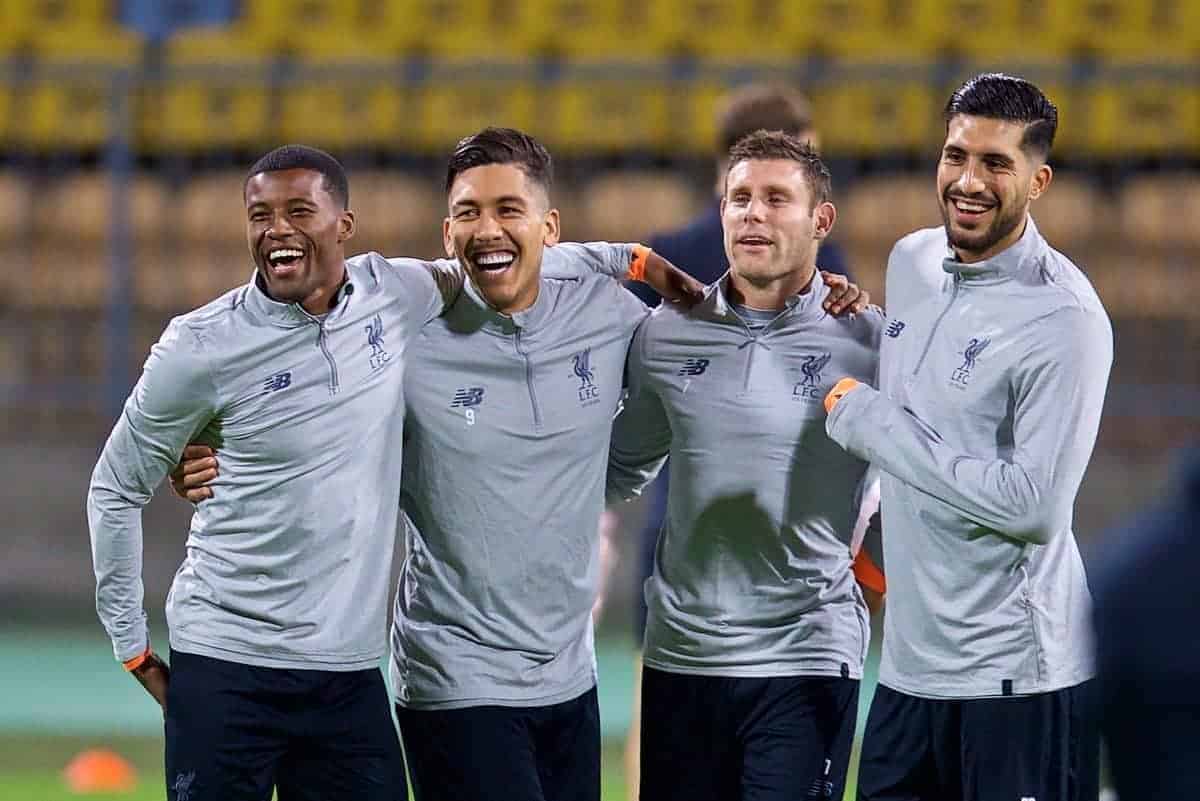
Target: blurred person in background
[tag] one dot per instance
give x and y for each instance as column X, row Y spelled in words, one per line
column 757, row 632
column 1147, row 673
column 699, row 248
column 993, row 372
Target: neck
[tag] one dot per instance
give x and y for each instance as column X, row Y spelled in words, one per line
column 771, row 293
column 317, row 302
column 1013, row 237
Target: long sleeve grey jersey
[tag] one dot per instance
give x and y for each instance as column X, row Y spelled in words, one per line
column 288, row 564
column 990, row 399
column 506, row 443
column 752, row 572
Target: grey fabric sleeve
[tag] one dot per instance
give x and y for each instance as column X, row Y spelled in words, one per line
column 1058, row 392
column 440, row 281
column 641, row 436
column 567, row 259
column 172, row 401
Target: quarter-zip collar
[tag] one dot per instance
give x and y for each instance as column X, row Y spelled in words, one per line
column 802, row 306
column 1005, row 265
column 471, row 308
column 293, row 315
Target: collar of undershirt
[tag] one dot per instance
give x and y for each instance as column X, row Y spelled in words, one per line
column 801, row 306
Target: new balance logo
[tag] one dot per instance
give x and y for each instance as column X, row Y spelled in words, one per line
column 693, row 367
column 276, row 382
column 894, row 328
column 467, row 396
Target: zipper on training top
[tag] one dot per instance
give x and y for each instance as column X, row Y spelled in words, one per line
column 938, row 322
column 537, row 412
column 323, row 345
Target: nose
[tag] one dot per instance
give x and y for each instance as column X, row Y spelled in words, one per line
column 489, row 227
column 756, row 210
column 280, row 227
column 970, row 182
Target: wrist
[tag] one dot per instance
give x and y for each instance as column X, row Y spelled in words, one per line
column 138, row 661
column 637, row 267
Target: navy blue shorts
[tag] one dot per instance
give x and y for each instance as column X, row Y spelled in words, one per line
column 708, row 738
column 500, row 753
column 1044, row 747
column 235, row 732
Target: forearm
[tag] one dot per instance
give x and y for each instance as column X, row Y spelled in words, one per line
column 1014, row 499
column 114, row 522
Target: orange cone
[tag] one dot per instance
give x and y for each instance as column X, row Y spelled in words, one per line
column 99, row 770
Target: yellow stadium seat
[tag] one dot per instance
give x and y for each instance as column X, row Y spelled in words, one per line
column 609, row 115
column 50, row 13
column 861, row 118
column 463, row 29
column 452, row 109
column 614, row 29
column 989, row 32
column 717, row 28
column 214, row 95
column 1140, row 117
column 78, row 207
column 1124, row 29
column 348, row 109
column 862, row 29
column 69, row 102
column 16, row 207
column 630, row 206
column 393, row 208
column 212, row 208
column 1162, row 212
column 879, row 210
column 168, row 280
column 1073, row 213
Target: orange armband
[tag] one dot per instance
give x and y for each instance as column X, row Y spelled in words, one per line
column 139, row 660
column 637, row 268
column 868, row 573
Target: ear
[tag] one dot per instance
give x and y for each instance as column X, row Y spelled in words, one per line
column 824, row 216
column 347, row 226
column 551, row 229
column 447, row 242
column 722, row 205
column 1042, row 177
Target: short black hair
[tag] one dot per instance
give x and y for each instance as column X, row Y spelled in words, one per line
column 998, row 96
column 769, row 107
column 502, row 146
column 766, row 145
column 303, row 157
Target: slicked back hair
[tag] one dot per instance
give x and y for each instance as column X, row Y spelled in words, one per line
column 303, row 157
column 502, row 146
column 777, row 145
column 998, row 96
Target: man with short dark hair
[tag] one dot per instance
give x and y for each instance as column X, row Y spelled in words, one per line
column 276, row 633
column 993, row 371
column 756, row 631
column 278, row 614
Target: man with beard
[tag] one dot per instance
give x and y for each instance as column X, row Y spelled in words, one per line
column 993, row 371
column 278, row 614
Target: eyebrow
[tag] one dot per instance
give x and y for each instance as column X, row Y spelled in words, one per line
column 506, row 199
column 1003, row 158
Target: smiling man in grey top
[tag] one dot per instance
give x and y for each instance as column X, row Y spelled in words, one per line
column 756, row 629
column 992, row 382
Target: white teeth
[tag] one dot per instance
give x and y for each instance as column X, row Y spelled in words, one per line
column 285, row 253
column 974, row 208
column 494, row 258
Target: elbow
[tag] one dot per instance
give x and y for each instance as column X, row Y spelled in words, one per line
column 1040, row 523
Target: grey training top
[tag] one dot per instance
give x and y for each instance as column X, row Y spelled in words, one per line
column 507, row 435
column 990, row 398
column 752, row 573
column 287, row 565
